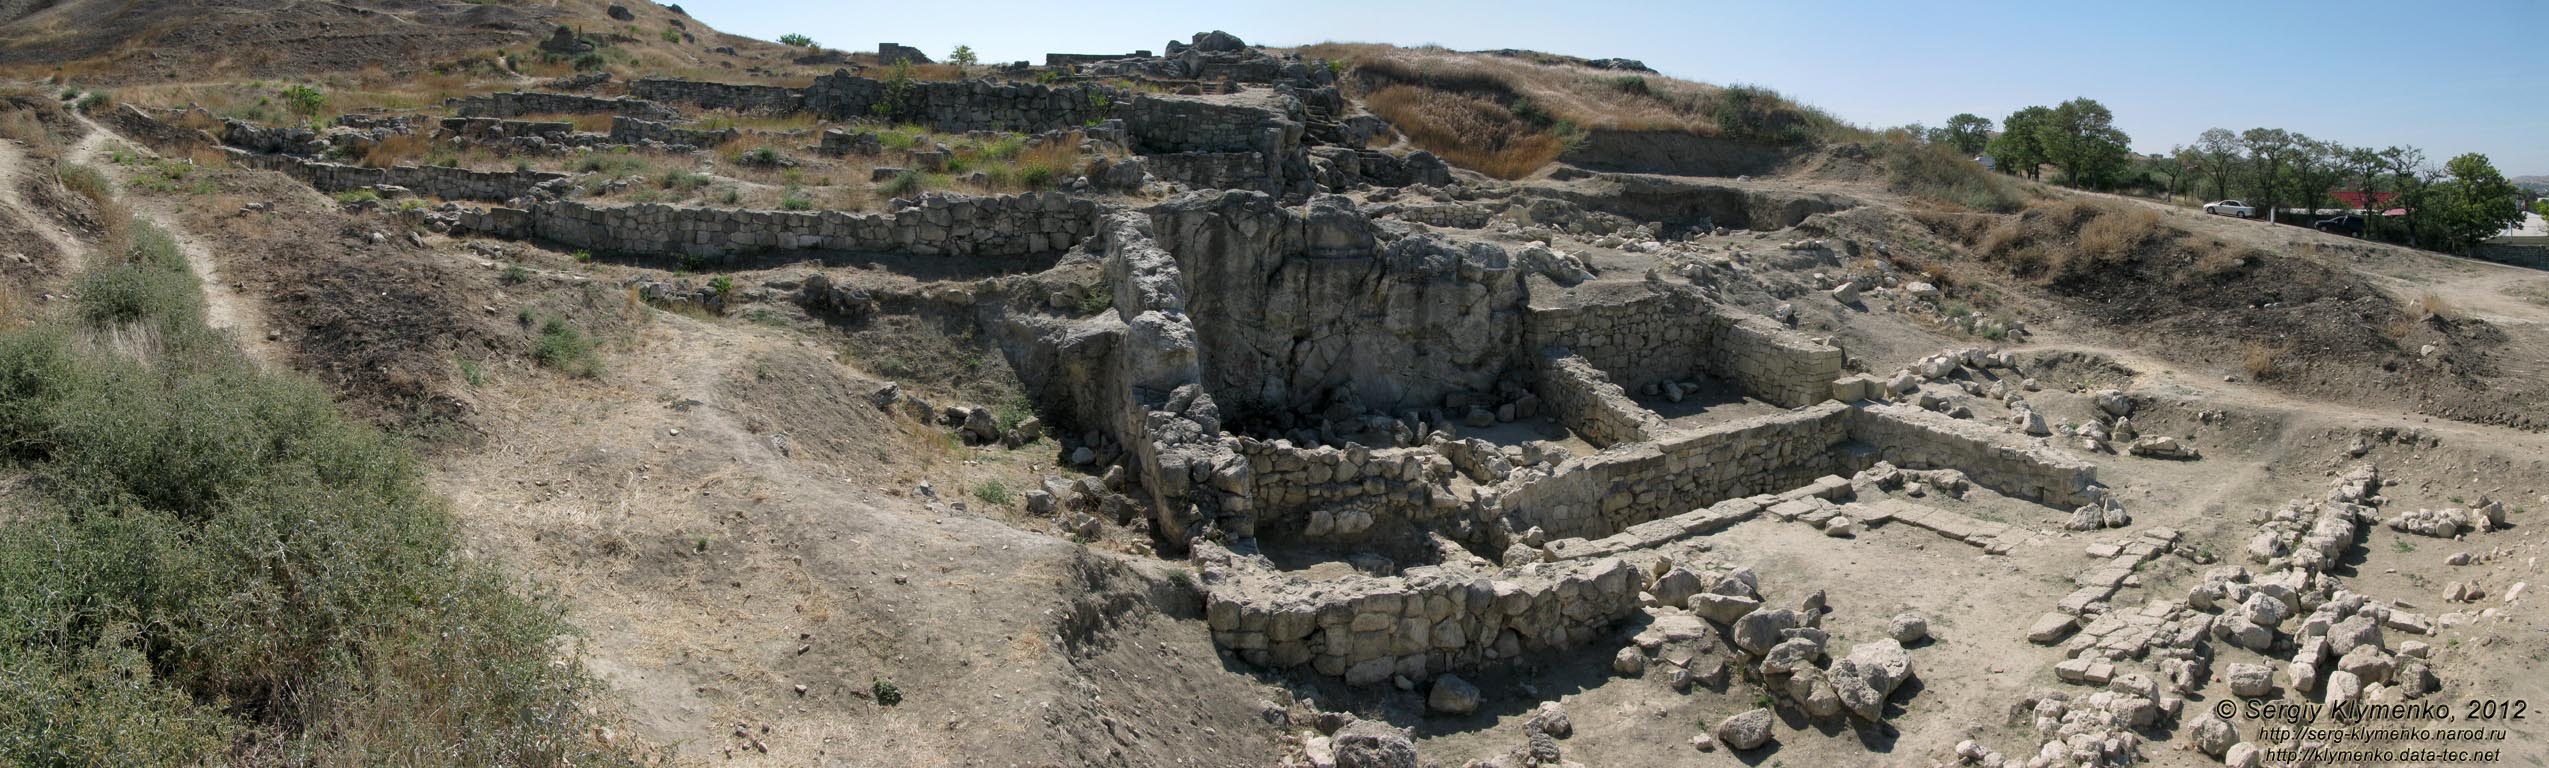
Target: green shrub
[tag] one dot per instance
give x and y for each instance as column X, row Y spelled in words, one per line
column 796, row 202
column 994, row 492
column 722, row 284
column 797, row 40
column 904, row 183
column 217, row 561
column 88, row 182
column 684, row 180
column 564, row 348
column 514, row 274
column 886, row 692
column 358, row 195
column 94, row 101
column 1098, row 300
column 150, row 283
column 304, row 100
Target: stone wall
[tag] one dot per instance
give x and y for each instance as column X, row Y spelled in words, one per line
column 426, row 180
column 837, row 142
column 1913, row 438
column 1257, row 121
column 1429, row 621
column 1077, row 59
column 933, row 225
column 1453, row 215
column 1586, row 401
column 1637, row 334
column 1769, row 361
column 630, row 130
column 1216, row 170
column 971, row 105
column 519, row 103
column 1598, row 495
column 759, row 99
column 1292, row 485
column 497, row 128
column 1196, row 483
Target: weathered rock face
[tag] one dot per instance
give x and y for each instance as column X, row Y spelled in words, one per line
column 1315, row 303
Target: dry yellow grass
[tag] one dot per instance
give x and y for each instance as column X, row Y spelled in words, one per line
column 1508, row 115
column 2433, row 305
column 1469, row 131
column 2261, row 360
column 398, row 149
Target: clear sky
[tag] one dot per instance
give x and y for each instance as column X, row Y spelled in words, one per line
column 2449, row 77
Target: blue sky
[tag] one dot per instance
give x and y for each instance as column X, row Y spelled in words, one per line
column 2449, row 77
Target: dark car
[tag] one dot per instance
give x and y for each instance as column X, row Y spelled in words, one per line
column 2348, row 225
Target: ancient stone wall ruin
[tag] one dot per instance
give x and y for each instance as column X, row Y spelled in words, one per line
column 1292, row 484
column 1416, row 625
column 428, row 180
column 1585, row 400
column 1642, row 335
column 971, row 105
column 1637, row 335
column 1768, row 361
column 746, row 97
column 932, row 225
column 630, row 130
column 1913, row 438
column 1595, row 496
column 519, row 103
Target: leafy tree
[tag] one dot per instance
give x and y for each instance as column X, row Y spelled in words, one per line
column 304, row 100
column 2219, row 155
column 1969, row 133
column 963, row 57
column 2270, row 152
column 2080, row 136
column 2189, row 162
column 2020, row 146
column 797, row 40
column 2317, row 166
column 2411, row 178
column 2475, row 204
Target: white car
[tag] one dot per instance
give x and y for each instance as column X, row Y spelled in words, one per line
column 2231, row 208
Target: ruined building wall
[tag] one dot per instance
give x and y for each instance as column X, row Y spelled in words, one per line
column 1369, row 629
column 1585, row 400
column 1392, row 484
column 519, row 103
column 427, row 180
column 971, row 105
column 1595, row 496
column 1171, row 426
column 934, row 225
column 1769, row 361
column 1914, row 438
column 630, row 130
column 1636, row 340
column 767, row 99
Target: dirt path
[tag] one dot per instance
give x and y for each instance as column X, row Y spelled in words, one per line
column 225, row 308
column 13, row 164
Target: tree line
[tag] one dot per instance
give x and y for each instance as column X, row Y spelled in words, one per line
column 2447, row 207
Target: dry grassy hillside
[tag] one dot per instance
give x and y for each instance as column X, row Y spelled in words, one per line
column 127, row 43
